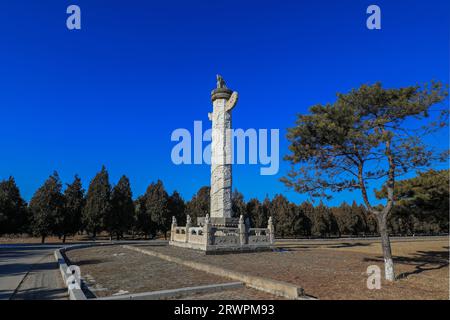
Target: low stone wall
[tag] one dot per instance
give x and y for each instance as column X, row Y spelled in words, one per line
column 74, row 293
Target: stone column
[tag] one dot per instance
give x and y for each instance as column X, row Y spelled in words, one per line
column 223, row 100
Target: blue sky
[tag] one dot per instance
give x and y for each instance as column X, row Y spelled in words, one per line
column 113, row 92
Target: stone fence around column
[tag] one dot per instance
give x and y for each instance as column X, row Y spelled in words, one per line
column 212, row 238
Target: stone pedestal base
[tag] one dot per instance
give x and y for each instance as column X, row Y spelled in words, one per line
column 225, row 235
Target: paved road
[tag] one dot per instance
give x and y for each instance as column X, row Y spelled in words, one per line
column 29, row 272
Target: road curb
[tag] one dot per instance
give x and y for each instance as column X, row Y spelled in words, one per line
column 74, row 293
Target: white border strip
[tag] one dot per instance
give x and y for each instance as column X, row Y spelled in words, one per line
column 175, row 293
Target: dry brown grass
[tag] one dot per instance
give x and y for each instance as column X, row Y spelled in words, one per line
column 422, row 268
column 337, row 269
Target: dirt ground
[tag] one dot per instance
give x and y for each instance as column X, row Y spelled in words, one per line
column 337, row 270
column 325, row 269
column 114, row 270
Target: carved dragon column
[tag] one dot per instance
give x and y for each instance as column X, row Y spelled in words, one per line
column 223, row 100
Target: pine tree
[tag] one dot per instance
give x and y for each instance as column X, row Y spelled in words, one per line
column 362, row 137
column 424, row 197
column 47, row 206
column 98, row 203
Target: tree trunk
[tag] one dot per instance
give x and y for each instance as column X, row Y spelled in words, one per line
column 43, row 239
column 64, row 239
column 389, row 273
column 386, row 246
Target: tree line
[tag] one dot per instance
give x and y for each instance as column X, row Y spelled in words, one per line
column 422, row 208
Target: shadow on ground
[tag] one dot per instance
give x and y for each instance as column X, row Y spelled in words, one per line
column 22, row 268
column 288, row 247
column 422, row 261
column 40, row 294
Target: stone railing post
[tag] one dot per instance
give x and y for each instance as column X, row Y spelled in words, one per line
column 188, row 225
column 207, row 231
column 172, row 228
column 242, row 231
column 271, row 231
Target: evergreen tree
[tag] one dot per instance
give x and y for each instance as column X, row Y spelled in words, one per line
column 13, row 209
column 238, row 205
column 74, row 201
column 424, row 197
column 98, row 204
column 254, row 212
column 266, row 213
column 199, row 206
column 47, row 206
column 177, row 208
column 308, row 211
column 280, row 210
column 120, row 218
column 360, row 224
column 144, row 224
column 301, row 224
column 350, row 219
column 157, row 206
column 319, row 222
